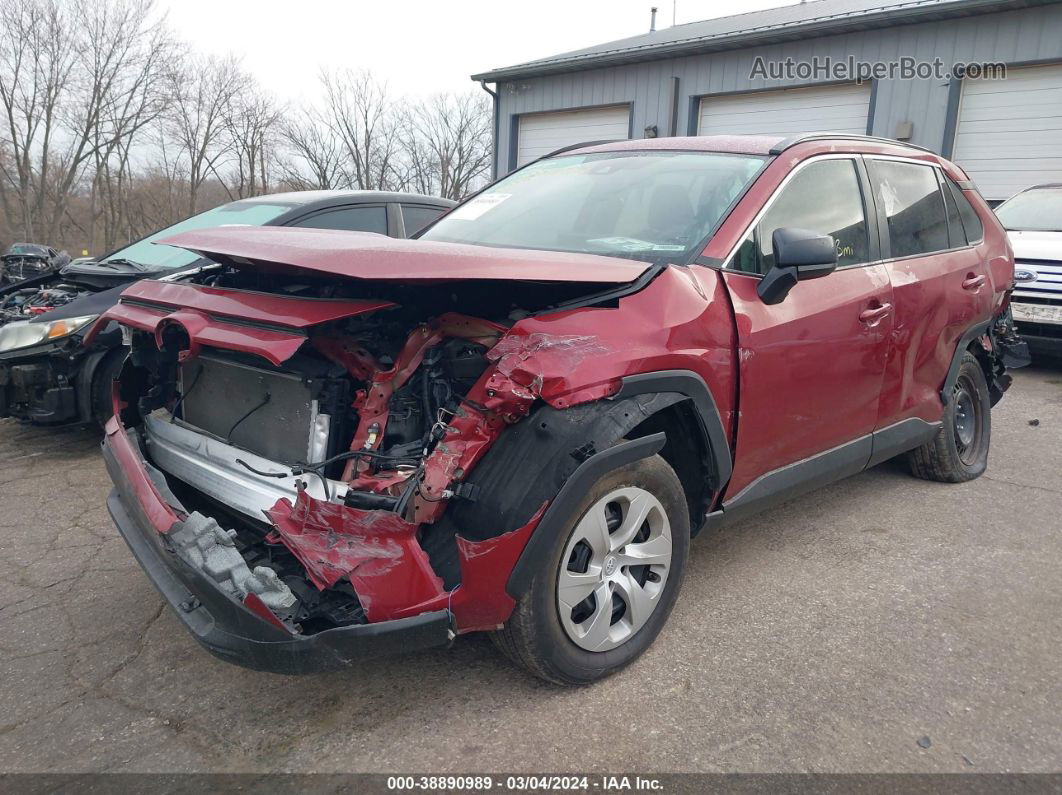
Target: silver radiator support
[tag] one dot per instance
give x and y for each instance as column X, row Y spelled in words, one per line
column 209, row 465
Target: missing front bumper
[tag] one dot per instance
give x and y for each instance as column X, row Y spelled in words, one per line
column 219, row 622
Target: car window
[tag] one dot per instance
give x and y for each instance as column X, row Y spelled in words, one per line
column 418, row 216
column 956, row 233
column 352, row 219
column 822, row 197
column 971, row 221
column 157, row 257
column 914, row 208
column 657, row 206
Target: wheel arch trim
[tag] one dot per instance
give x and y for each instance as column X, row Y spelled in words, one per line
column 553, row 522
column 693, row 387
column 972, row 333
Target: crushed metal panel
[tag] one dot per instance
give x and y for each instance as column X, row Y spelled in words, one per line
column 376, row 550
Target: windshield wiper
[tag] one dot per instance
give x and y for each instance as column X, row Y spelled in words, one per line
column 122, row 261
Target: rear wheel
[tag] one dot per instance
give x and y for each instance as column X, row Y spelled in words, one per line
column 959, row 451
column 611, row 581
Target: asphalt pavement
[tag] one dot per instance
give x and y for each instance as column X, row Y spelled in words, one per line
column 881, row 624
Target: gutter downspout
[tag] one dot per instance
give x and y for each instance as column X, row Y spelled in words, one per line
column 494, row 131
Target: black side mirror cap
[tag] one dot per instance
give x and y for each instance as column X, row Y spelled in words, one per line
column 799, row 254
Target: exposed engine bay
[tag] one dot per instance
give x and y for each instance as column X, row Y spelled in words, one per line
column 307, row 484
column 27, row 303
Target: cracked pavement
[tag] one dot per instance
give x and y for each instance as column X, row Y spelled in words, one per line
column 833, row 634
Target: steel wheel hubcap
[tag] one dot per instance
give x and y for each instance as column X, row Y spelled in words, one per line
column 614, row 569
column 967, row 422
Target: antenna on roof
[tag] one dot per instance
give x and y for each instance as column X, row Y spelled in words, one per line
column 652, row 20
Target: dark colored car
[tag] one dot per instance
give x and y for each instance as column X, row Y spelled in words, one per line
column 26, row 260
column 47, row 376
column 1033, row 220
column 336, row 447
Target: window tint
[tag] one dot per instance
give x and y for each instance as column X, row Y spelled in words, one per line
column 352, row 219
column 416, row 217
column 822, row 197
column 956, row 234
column 913, row 205
column 971, row 221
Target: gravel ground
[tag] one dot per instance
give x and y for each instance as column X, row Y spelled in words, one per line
column 844, row 631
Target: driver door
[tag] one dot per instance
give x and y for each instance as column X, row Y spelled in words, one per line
column 810, row 367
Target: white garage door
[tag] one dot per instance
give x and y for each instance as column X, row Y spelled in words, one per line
column 1009, row 132
column 836, row 109
column 542, row 133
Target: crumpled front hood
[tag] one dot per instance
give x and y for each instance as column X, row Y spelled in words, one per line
column 364, row 255
column 1036, row 245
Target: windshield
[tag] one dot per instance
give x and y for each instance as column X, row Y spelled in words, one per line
column 1036, row 210
column 145, row 252
column 654, row 206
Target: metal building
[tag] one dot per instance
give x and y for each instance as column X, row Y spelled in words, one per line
column 702, row 78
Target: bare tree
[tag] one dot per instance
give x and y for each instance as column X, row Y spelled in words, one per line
column 204, row 90
column 361, row 117
column 74, row 77
column 314, row 154
column 447, row 144
column 253, row 129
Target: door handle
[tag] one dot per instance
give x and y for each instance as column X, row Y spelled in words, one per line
column 872, row 316
column 972, row 282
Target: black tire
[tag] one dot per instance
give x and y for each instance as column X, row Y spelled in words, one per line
column 959, row 451
column 534, row 638
column 106, row 371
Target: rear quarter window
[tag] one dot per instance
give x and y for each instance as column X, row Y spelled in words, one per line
column 971, row 221
column 417, row 216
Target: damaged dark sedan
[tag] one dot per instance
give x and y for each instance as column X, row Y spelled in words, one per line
column 333, row 446
column 25, row 260
column 48, row 376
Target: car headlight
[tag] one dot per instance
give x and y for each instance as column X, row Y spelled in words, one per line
column 23, row 333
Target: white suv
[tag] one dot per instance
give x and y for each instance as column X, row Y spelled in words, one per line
column 1033, row 220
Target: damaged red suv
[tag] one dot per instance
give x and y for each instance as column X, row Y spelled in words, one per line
column 334, row 445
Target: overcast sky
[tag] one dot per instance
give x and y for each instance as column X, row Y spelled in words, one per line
column 418, row 46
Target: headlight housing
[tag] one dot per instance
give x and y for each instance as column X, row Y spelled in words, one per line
column 23, row 333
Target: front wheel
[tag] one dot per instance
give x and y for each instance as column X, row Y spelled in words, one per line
column 959, row 451
column 610, row 582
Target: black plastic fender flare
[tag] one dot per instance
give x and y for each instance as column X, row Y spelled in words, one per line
column 554, row 521
column 684, row 384
column 688, row 384
column 972, row 333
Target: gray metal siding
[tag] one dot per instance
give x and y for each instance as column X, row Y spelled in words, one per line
column 1030, row 34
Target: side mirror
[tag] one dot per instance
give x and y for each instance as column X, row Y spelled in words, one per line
column 799, row 254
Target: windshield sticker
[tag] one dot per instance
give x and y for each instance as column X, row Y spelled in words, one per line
column 478, row 205
column 633, row 244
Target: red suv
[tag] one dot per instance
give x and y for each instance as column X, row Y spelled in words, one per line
column 334, row 445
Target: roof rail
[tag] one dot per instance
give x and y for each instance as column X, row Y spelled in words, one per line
column 781, row 146
column 570, row 147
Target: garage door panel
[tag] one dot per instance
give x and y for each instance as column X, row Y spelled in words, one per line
column 1031, row 125
column 541, row 133
column 1009, row 132
column 841, row 109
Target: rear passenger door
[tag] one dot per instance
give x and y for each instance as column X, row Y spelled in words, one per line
column 939, row 281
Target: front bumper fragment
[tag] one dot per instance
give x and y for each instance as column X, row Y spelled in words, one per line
column 33, row 388
column 222, row 624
